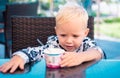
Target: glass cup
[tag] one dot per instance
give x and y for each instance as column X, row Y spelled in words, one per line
column 53, row 57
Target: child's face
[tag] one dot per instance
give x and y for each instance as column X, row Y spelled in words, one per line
column 70, row 34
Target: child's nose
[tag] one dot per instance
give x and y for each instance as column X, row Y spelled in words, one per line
column 69, row 40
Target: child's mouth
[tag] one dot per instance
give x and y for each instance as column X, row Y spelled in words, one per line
column 69, row 47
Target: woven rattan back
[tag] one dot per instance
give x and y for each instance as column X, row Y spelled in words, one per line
column 22, row 9
column 18, row 9
column 26, row 30
column 91, row 27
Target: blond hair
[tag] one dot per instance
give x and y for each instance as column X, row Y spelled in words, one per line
column 70, row 11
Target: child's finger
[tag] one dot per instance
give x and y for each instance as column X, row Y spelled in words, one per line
column 21, row 66
column 64, row 55
column 14, row 67
column 6, row 67
column 65, row 61
column 64, row 64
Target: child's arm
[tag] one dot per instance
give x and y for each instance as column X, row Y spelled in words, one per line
column 30, row 54
column 20, row 58
column 26, row 55
column 87, row 52
column 73, row 59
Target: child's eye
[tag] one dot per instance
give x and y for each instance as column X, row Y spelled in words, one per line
column 75, row 36
column 62, row 35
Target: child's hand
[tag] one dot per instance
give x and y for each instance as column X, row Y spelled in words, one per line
column 13, row 64
column 71, row 59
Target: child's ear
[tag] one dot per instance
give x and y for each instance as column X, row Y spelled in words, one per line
column 55, row 29
column 86, row 32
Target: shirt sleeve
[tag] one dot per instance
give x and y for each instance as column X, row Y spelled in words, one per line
column 88, row 43
column 31, row 54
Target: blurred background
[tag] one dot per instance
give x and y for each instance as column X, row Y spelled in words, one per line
column 106, row 15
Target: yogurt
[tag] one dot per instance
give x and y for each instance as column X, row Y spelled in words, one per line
column 52, row 56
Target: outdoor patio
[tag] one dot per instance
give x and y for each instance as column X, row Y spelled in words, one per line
column 111, row 47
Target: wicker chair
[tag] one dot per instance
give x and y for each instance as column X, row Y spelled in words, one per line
column 18, row 9
column 26, row 30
